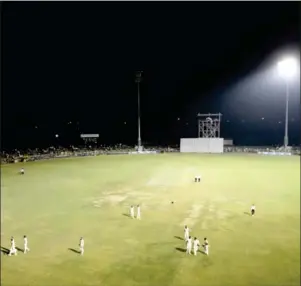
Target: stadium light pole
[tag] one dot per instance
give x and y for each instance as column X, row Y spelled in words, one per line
column 287, row 68
column 138, row 80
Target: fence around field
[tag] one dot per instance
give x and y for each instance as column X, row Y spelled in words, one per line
column 15, row 158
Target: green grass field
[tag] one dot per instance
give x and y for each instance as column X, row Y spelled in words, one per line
column 58, row 201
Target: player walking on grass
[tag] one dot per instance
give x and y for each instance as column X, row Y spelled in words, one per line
column 253, row 209
column 138, row 212
column 132, row 212
column 196, row 244
column 206, row 246
column 186, row 232
column 188, row 245
column 25, row 244
column 13, row 249
column 81, row 245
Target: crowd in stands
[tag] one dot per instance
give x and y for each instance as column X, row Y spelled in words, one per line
column 257, row 149
column 56, row 152
column 60, row 152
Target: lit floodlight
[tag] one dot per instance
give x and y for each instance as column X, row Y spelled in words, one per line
column 287, row 67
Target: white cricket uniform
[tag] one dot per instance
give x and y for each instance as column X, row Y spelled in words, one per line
column 81, row 246
column 188, row 246
column 26, row 245
column 13, row 249
column 253, row 209
column 186, row 233
column 196, row 244
column 132, row 213
column 206, row 248
column 138, row 213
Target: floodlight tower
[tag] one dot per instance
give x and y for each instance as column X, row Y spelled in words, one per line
column 138, row 80
column 287, row 68
column 209, row 125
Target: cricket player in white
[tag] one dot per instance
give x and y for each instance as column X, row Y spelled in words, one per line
column 197, row 178
column 13, row 249
column 196, row 244
column 186, row 232
column 206, row 246
column 81, row 246
column 26, row 244
column 188, row 245
column 132, row 212
column 253, row 209
column 22, row 171
column 138, row 212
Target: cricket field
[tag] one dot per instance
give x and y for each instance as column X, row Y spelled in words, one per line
column 58, row 201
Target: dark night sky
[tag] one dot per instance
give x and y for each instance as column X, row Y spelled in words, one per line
column 76, row 61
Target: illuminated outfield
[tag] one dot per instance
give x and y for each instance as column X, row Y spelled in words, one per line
column 58, row 201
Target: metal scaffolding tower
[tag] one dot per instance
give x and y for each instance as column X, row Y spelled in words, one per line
column 209, row 125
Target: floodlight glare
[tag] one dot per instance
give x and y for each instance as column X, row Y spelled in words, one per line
column 287, row 67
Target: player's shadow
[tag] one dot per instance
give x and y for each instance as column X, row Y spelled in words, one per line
column 126, row 215
column 178, row 237
column 246, row 213
column 4, row 250
column 74, row 250
column 20, row 249
column 180, row 249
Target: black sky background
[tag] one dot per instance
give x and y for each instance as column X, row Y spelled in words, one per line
column 76, row 61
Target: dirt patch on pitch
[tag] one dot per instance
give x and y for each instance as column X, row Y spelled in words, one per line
column 170, row 177
column 98, row 203
column 141, row 195
column 116, row 199
column 108, row 199
column 193, row 215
